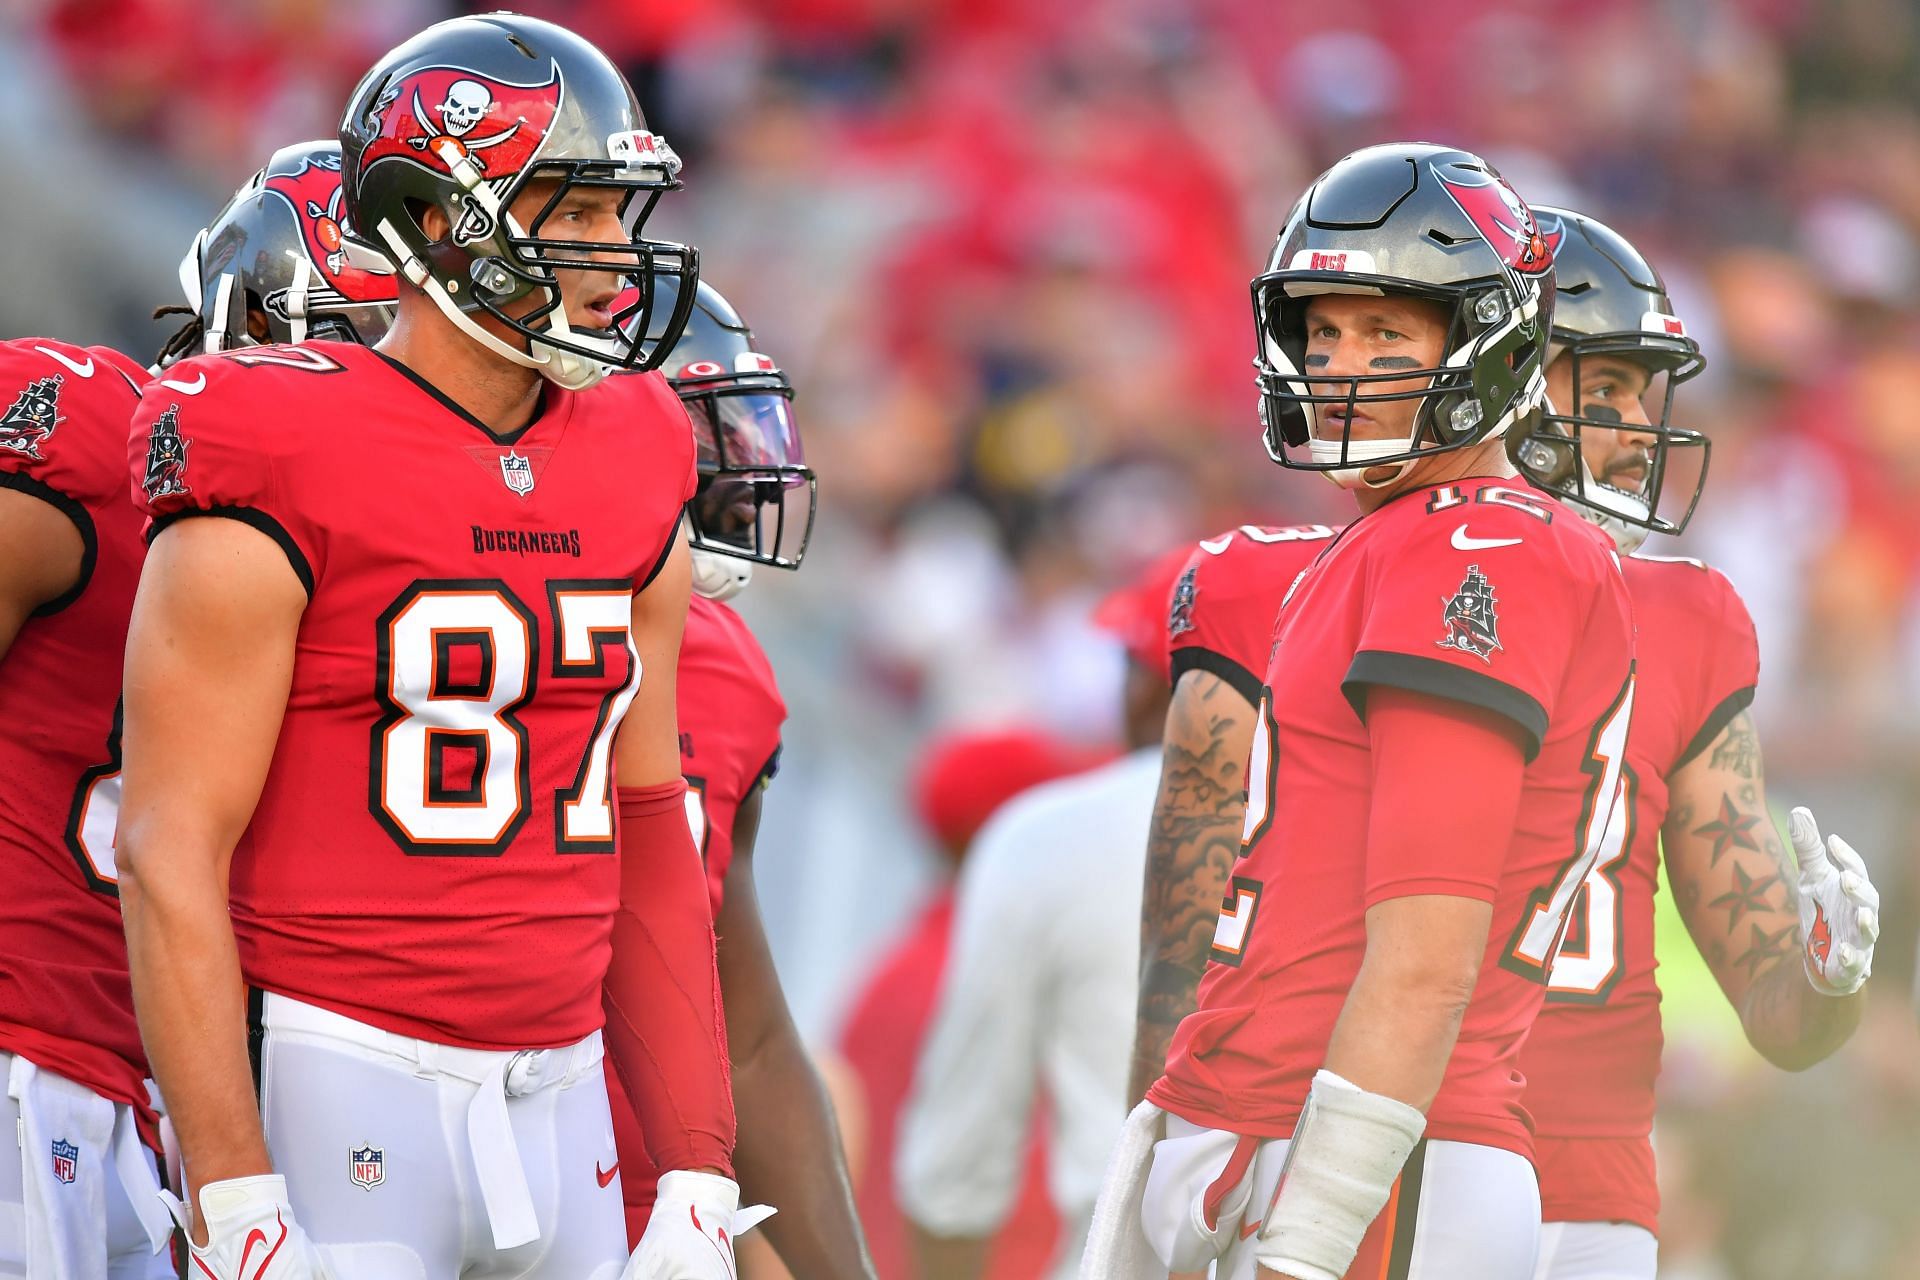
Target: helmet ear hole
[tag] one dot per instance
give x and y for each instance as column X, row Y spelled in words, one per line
column 417, row 211
column 258, row 327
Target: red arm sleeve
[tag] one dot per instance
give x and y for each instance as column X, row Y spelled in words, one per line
column 665, row 1028
column 1446, row 793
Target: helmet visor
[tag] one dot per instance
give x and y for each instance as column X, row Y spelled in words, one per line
column 757, row 494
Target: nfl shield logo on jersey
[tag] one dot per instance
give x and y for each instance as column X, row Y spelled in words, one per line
column 367, row 1167
column 66, row 1159
column 517, row 472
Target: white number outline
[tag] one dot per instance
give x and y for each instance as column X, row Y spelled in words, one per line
column 395, row 714
column 1571, row 980
column 1536, row 939
column 600, row 635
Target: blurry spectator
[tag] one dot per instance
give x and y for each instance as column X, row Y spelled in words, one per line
column 1041, row 984
column 959, row 784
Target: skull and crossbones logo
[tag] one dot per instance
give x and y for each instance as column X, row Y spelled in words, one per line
column 467, row 103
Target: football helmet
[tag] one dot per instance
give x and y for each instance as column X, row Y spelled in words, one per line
column 468, row 115
column 1612, row 303
column 751, row 458
column 1424, row 221
column 278, row 247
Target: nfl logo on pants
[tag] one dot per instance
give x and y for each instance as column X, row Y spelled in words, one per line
column 65, row 1157
column 367, row 1167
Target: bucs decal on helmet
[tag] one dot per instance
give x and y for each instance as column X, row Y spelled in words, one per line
column 440, row 114
column 166, row 457
column 315, row 196
column 1502, row 219
column 1472, row 624
column 31, row 418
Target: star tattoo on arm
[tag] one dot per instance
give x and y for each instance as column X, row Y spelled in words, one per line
column 1748, row 895
column 1764, row 947
column 1732, row 829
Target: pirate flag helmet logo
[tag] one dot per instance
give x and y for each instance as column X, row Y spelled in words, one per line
column 281, row 246
column 1472, row 623
column 1501, row 217
column 312, row 192
column 438, row 116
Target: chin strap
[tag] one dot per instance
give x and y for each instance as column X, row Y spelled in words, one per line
column 562, row 368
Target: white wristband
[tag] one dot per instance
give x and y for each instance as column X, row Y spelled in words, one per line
column 1346, row 1153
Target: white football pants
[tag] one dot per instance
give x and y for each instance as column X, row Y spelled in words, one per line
column 79, row 1193
column 1596, row 1251
column 1459, row 1211
column 408, row 1160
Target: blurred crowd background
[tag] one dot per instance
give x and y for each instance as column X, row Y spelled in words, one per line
column 1003, row 247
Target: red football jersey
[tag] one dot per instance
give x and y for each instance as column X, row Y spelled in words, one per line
column 1477, row 591
column 730, row 718
column 1225, row 599
column 433, row 852
column 1592, row 1059
column 65, row 1002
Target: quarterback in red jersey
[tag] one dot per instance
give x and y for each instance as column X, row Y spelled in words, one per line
column 754, row 507
column 1434, row 761
column 1696, row 787
column 83, row 1195
column 403, row 649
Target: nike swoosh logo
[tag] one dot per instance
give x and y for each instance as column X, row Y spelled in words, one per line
column 1462, row 542
column 1249, row 1231
column 1214, row 546
column 255, row 1237
column 85, row 370
column 605, row 1178
column 199, row 384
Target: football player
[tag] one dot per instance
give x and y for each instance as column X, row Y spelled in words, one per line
column 1790, row 942
column 385, row 696
column 1219, row 632
column 79, row 1193
column 754, row 507
column 1445, row 708
column 75, row 534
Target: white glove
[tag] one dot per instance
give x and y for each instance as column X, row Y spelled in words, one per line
column 696, row 1218
column 251, row 1234
column 1839, row 909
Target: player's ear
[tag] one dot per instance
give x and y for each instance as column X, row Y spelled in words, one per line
column 257, row 325
column 435, row 223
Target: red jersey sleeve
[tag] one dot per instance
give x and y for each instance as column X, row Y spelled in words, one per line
column 1444, row 850
column 1482, row 603
column 1220, row 615
column 1731, row 673
column 65, row 408
column 208, row 439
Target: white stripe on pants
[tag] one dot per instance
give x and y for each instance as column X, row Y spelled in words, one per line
column 78, row 1219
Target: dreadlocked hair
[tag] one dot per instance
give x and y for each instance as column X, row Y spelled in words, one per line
column 188, row 340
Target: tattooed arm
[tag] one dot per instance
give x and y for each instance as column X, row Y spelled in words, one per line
column 1734, row 885
column 1191, row 847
